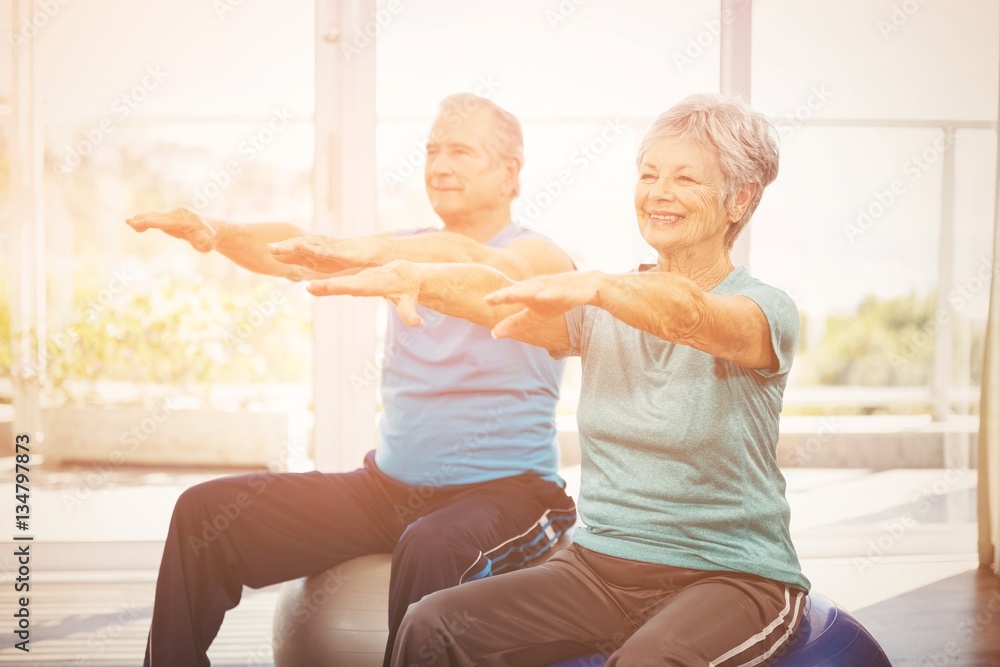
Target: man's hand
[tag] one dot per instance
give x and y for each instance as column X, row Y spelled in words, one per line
column 180, row 223
column 398, row 281
column 544, row 298
column 325, row 254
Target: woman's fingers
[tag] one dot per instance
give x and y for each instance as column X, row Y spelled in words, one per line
column 406, row 306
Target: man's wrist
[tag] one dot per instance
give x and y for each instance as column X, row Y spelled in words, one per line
column 219, row 230
column 376, row 251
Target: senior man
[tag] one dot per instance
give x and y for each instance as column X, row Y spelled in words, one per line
column 492, row 498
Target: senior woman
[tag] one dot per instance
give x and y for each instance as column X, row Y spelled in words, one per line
column 684, row 556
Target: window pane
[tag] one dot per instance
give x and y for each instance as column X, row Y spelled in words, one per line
column 548, row 59
column 975, row 187
column 148, row 309
column 6, row 57
column 850, row 59
column 116, row 58
column 850, row 230
column 6, row 260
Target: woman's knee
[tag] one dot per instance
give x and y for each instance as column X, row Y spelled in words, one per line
column 646, row 650
column 433, row 627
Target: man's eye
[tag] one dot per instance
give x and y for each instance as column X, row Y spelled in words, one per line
column 647, row 177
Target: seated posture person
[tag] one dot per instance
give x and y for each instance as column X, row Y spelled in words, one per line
column 685, row 556
column 467, row 428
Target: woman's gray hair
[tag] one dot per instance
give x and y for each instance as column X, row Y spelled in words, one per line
column 508, row 140
column 745, row 141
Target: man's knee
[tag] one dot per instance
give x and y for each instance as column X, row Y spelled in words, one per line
column 198, row 496
column 423, row 542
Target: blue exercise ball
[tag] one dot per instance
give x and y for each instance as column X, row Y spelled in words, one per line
column 827, row 637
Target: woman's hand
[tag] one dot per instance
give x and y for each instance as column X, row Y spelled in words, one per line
column 398, row 281
column 544, row 298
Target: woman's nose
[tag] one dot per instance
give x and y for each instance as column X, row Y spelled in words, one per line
column 661, row 190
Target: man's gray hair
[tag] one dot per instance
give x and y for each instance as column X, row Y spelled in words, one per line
column 508, row 140
column 744, row 140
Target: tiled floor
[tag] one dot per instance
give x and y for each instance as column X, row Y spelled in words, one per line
column 867, row 539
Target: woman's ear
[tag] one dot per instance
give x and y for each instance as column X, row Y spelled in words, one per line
column 743, row 198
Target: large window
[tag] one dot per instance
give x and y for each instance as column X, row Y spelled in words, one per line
column 884, row 203
column 211, row 110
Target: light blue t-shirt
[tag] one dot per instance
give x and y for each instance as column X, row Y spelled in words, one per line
column 679, row 448
column 461, row 407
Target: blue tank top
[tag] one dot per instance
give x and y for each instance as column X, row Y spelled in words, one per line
column 461, row 407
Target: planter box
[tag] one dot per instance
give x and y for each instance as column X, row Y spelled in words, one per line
column 157, row 435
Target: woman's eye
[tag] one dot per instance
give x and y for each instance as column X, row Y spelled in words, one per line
column 647, row 177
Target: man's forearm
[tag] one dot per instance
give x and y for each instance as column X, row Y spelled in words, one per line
column 246, row 245
column 444, row 248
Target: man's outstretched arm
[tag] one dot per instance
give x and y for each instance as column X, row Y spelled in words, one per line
column 519, row 260
column 244, row 244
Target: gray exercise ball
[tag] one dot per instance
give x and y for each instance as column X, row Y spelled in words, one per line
column 338, row 618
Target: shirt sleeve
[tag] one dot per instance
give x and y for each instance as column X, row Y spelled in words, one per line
column 574, row 326
column 783, row 321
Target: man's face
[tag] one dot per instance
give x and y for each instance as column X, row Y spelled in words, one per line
column 463, row 175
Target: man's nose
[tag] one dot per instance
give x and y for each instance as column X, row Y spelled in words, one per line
column 438, row 164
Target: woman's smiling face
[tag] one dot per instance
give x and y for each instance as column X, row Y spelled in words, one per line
column 677, row 202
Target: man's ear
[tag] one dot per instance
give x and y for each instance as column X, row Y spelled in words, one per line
column 512, row 171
